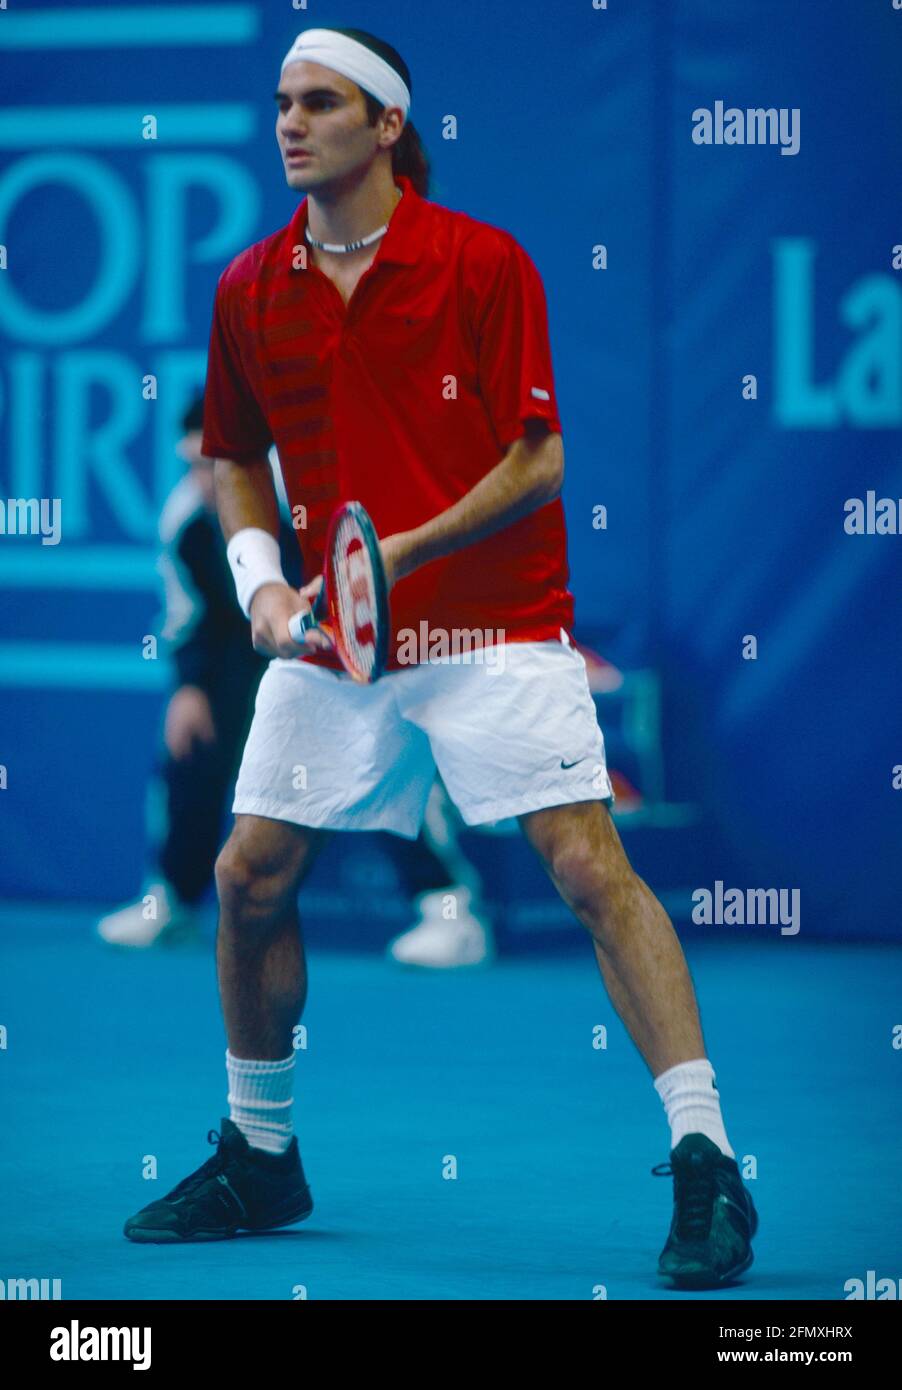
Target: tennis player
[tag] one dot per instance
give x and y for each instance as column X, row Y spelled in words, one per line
column 398, row 354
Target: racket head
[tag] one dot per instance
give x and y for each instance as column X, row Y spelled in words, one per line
column 356, row 593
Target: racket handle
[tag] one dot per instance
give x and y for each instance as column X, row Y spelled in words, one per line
column 299, row 624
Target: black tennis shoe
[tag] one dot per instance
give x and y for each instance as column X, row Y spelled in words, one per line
column 239, row 1189
column 714, row 1217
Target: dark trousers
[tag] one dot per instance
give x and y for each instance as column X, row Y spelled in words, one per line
column 417, row 865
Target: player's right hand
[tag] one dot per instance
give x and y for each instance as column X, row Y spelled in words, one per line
column 271, row 608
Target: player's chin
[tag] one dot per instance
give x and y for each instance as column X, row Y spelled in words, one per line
column 298, row 178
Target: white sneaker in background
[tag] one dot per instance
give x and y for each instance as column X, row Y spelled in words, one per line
column 440, row 942
column 155, row 919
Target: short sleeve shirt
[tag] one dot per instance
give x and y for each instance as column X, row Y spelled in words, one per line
column 403, row 399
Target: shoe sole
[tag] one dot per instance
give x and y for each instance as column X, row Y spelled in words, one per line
column 143, row 1235
column 178, row 937
column 457, row 965
column 711, row 1280
column 708, row 1280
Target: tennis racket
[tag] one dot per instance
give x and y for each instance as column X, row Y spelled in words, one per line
column 352, row 605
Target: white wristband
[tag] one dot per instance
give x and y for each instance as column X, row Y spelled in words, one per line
column 255, row 560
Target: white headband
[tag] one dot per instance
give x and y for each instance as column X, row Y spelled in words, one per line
column 353, row 60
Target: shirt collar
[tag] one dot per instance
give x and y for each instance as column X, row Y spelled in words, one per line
column 403, row 241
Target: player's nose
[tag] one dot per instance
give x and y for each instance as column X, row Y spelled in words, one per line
column 292, row 123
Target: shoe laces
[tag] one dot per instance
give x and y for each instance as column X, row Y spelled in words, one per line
column 214, row 1165
column 695, row 1188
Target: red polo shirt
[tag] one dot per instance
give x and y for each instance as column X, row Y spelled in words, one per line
column 403, row 400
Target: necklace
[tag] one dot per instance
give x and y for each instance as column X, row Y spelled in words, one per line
column 340, row 247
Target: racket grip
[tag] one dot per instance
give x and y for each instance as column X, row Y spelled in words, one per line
column 300, row 623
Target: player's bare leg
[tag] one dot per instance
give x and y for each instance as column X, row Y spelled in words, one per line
column 259, row 948
column 640, row 958
column 255, row 1181
column 645, row 973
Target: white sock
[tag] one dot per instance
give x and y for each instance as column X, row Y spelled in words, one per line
column 692, row 1103
column 260, row 1095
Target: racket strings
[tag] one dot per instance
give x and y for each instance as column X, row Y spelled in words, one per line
column 354, row 590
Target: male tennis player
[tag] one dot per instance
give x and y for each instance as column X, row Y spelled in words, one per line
column 397, row 352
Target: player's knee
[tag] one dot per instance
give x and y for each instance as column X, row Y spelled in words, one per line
column 591, row 878
column 253, row 886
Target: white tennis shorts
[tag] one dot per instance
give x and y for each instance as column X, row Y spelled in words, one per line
column 510, row 737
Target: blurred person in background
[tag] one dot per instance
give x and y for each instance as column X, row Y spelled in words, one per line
column 216, row 673
column 452, row 927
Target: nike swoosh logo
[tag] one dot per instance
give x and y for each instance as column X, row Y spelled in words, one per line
column 573, row 764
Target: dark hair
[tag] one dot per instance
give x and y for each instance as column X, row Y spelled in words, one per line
column 408, row 155
column 193, row 418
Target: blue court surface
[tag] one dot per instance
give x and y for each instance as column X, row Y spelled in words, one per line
column 113, row 1057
